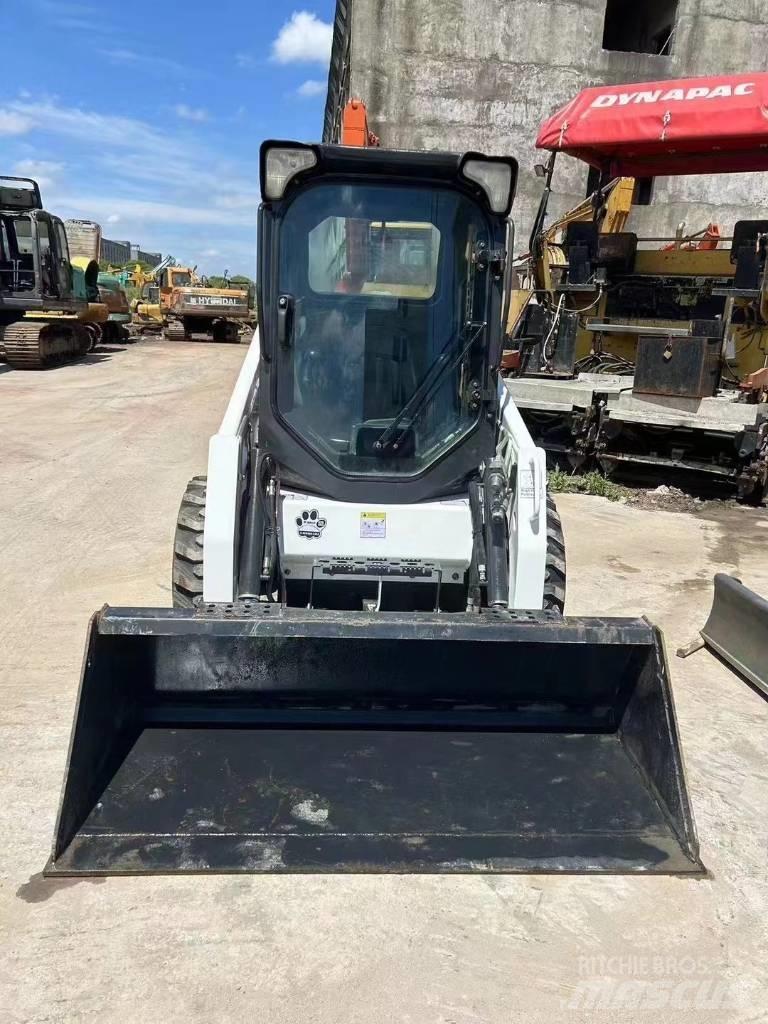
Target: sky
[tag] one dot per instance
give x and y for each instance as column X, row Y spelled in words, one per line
column 149, row 119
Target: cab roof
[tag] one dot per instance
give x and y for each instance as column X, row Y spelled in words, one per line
column 416, row 166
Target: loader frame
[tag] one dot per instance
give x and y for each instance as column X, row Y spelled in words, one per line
column 254, row 426
column 229, row 468
column 260, row 730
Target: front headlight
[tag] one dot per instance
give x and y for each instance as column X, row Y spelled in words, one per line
column 496, row 179
column 281, row 165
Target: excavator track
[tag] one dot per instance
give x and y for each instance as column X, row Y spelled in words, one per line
column 174, row 332
column 226, row 331
column 95, row 335
column 39, row 346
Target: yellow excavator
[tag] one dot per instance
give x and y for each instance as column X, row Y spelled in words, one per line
column 177, row 301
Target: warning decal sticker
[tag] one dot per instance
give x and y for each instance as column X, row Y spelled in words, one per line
column 373, row 524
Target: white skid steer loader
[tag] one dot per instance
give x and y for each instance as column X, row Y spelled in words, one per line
column 367, row 668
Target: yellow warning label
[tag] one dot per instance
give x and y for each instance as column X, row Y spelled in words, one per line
column 373, row 524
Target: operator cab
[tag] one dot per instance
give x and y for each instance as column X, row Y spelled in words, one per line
column 35, row 270
column 381, row 320
column 179, row 278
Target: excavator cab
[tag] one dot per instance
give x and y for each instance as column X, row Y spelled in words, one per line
column 368, row 678
column 35, row 270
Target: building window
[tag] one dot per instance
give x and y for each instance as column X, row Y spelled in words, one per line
column 643, row 193
column 645, row 26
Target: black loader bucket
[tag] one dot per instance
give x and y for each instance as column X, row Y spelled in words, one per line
column 291, row 740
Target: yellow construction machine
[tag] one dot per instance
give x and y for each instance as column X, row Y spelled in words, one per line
column 108, row 313
column 639, row 354
column 180, row 303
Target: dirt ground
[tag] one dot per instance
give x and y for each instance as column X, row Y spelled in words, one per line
column 94, row 460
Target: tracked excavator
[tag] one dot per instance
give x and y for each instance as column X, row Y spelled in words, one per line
column 367, row 667
column 42, row 296
column 109, row 313
column 112, row 295
column 175, row 299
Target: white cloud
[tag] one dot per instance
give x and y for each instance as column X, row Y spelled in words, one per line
column 56, row 7
column 76, row 25
column 76, row 17
column 13, row 123
column 312, row 87
column 43, row 171
column 147, row 211
column 190, row 168
column 303, row 39
column 160, row 187
column 236, row 200
column 149, row 62
column 244, row 60
column 187, row 113
column 88, row 126
column 130, row 150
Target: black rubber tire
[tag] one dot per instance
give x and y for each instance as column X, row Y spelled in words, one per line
column 755, row 496
column 555, row 575
column 187, row 572
column 96, row 335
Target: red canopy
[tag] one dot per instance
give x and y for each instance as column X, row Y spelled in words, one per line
column 684, row 126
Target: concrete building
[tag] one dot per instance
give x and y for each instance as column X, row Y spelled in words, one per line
column 484, row 74
column 119, row 253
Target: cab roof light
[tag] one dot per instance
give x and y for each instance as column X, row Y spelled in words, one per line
column 282, row 164
column 495, row 178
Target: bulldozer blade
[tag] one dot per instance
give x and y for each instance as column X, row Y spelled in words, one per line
column 737, row 629
column 259, row 739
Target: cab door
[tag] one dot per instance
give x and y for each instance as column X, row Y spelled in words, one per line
column 63, row 267
column 44, row 242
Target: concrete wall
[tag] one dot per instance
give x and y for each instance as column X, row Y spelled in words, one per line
column 483, row 74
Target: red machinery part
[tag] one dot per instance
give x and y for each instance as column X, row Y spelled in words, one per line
column 684, row 126
column 354, row 127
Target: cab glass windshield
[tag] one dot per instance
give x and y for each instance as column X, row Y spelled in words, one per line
column 381, row 363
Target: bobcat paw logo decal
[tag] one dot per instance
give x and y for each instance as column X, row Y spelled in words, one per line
column 310, row 524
